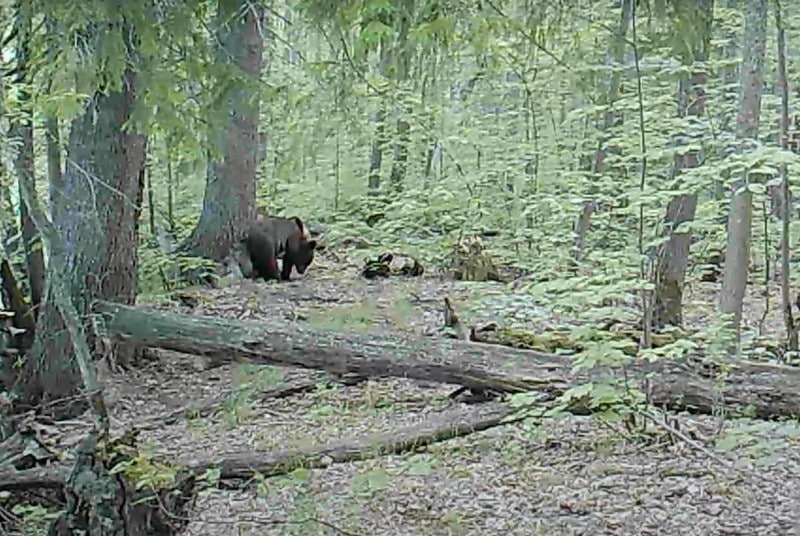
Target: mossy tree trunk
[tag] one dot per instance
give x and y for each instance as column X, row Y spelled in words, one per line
column 96, row 220
column 229, row 201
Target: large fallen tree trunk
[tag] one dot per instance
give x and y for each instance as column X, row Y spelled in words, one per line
column 764, row 390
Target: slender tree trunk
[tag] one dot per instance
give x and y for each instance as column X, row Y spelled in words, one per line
column 229, row 201
column 432, row 142
column 170, row 190
column 55, row 175
column 730, row 75
column 397, row 176
column 376, row 152
column 614, row 57
column 786, row 216
column 379, row 137
column 737, row 255
column 400, row 158
column 23, row 128
column 673, row 256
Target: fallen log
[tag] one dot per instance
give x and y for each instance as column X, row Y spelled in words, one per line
column 52, row 477
column 453, row 422
column 295, row 345
column 759, row 389
column 447, row 425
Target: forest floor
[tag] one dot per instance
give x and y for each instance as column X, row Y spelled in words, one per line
column 564, row 476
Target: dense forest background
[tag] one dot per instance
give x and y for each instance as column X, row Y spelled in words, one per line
column 558, row 124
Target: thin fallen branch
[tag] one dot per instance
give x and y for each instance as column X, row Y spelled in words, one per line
column 210, row 405
column 445, row 426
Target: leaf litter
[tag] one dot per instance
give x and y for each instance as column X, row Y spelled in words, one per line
column 567, row 476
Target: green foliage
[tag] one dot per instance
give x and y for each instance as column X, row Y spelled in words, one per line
column 371, row 482
column 747, row 438
column 34, row 519
column 361, row 316
column 251, row 380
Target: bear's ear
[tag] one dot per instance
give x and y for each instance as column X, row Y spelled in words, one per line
column 300, row 225
column 312, row 244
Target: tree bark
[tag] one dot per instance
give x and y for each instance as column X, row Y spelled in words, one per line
column 23, row 128
column 55, row 174
column 786, row 304
column 673, row 256
column 229, row 202
column 615, row 56
column 400, row 158
column 101, row 189
column 379, row 136
column 770, row 390
column 737, row 254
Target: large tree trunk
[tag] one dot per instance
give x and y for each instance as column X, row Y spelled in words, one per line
column 673, row 256
column 99, row 193
column 229, row 202
column 768, row 390
column 94, row 256
column 737, row 254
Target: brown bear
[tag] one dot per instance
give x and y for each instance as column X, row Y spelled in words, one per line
column 269, row 238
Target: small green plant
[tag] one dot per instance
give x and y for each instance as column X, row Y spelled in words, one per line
column 34, row 519
column 368, row 483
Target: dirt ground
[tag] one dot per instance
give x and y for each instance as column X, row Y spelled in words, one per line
column 566, row 476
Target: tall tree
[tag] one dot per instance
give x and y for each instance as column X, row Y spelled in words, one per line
column 614, row 59
column 22, row 128
column 783, row 84
column 402, row 55
column 55, row 177
column 740, row 215
column 229, row 201
column 674, row 253
column 392, row 23
column 101, row 191
column 379, row 137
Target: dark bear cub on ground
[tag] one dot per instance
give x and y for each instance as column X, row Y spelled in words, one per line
column 270, row 237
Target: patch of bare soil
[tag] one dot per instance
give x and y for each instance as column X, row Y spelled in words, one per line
column 566, row 476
